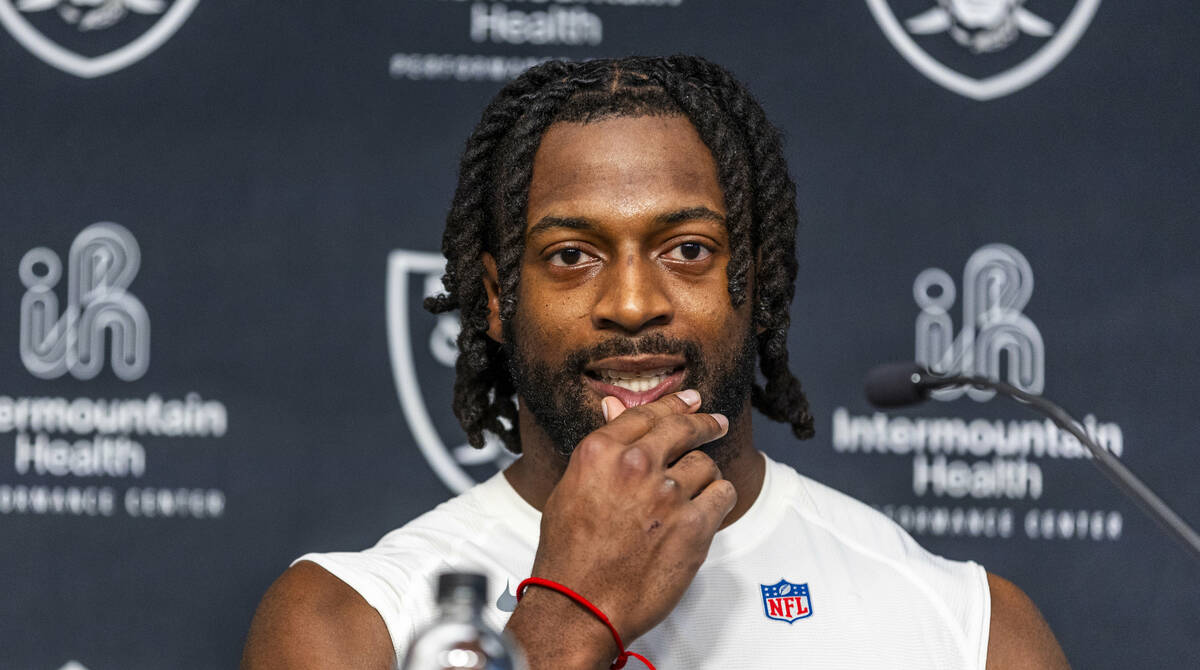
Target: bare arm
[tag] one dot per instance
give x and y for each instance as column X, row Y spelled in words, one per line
column 1019, row 637
column 311, row 619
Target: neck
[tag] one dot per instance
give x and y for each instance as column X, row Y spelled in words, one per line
column 535, row 474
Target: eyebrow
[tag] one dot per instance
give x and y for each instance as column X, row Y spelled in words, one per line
column 689, row 214
column 551, row 222
column 583, row 223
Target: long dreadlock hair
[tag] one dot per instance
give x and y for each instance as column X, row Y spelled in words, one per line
column 488, row 214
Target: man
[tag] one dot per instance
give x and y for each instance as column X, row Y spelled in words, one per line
column 621, row 248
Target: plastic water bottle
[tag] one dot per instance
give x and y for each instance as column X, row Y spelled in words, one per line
column 460, row 639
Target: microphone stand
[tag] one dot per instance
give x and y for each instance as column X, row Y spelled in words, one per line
column 1110, row 465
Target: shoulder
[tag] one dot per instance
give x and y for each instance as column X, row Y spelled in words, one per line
column 859, row 526
column 311, row 619
column 888, row 564
column 386, row 590
column 990, row 608
column 881, row 548
column 1019, row 637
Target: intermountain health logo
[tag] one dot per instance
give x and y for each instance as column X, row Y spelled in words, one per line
column 102, row 263
column 423, row 350
column 983, row 49
column 90, row 455
column 983, row 477
column 997, row 340
column 91, row 38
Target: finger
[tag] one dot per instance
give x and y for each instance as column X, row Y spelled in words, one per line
column 613, row 407
column 635, row 422
column 715, row 502
column 692, row 472
column 676, row 434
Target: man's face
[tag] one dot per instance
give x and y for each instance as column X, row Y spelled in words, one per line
column 623, row 288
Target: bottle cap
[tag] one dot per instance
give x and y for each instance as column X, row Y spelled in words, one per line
column 450, row 583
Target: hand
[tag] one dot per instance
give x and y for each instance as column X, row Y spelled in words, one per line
column 630, row 522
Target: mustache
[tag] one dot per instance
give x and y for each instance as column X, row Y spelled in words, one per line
column 656, row 343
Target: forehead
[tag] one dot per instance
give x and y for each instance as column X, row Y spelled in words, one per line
column 622, row 167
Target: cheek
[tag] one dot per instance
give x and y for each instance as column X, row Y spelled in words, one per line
column 707, row 297
column 550, row 318
column 712, row 313
column 560, row 325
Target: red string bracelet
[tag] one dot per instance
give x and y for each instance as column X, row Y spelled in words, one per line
column 624, row 655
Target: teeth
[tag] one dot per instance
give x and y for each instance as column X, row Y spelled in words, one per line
column 635, row 381
column 621, row 374
column 637, row 385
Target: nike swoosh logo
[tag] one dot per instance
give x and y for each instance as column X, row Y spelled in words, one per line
column 507, row 602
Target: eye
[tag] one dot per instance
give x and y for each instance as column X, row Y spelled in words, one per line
column 569, row 257
column 689, row 251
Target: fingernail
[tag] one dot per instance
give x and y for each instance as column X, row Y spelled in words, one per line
column 722, row 420
column 604, row 408
column 690, row 396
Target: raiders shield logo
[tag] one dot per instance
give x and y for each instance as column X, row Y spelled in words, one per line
column 983, row 49
column 91, row 38
column 423, row 349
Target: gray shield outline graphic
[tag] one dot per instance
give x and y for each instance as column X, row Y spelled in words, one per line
column 998, row 85
column 90, row 67
column 446, row 462
column 400, row 263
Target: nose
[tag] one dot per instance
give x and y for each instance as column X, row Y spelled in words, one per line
column 632, row 296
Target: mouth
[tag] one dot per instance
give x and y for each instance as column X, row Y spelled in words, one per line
column 636, row 380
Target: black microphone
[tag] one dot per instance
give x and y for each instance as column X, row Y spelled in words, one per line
column 902, row 384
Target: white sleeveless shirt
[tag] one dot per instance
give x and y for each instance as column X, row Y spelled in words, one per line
column 807, row 578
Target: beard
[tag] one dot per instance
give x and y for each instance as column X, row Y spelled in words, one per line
column 556, row 397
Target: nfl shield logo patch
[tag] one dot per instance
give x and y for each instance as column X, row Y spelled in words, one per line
column 785, row 601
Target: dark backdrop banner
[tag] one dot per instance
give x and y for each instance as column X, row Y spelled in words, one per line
column 219, row 219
